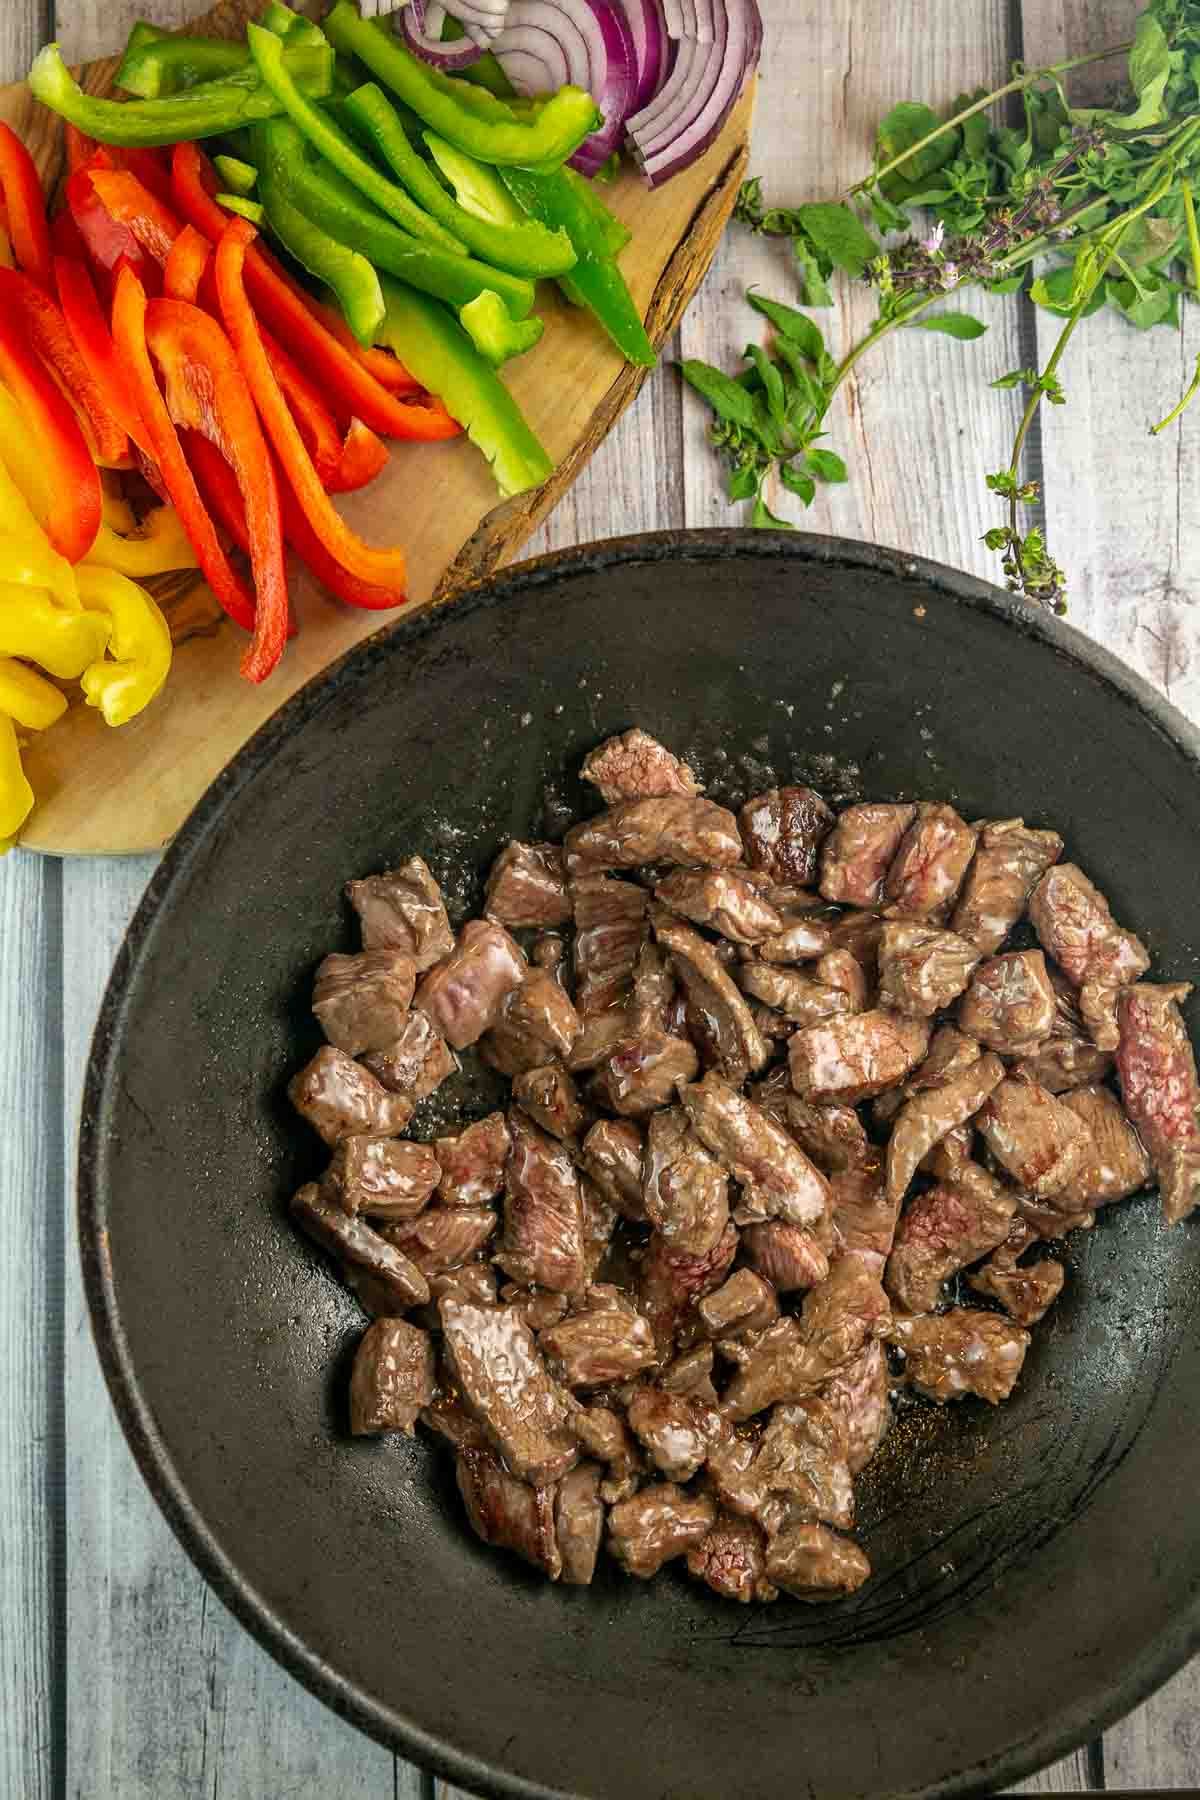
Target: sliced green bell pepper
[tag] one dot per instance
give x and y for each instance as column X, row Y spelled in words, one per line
column 351, row 277
column 471, row 117
column 327, row 137
column 291, row 25
column 172, row 64
column 513, row 242
column 211, row 110
column 338, row 208
column 437, row 351
column 493, row 333
column 254, row 210
column 595, row 282
column 239, row 177
column 486, row 72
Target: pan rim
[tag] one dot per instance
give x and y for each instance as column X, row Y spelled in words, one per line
column 524, row 582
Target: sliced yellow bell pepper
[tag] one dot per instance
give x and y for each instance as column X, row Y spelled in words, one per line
column 159, row 544
column 16, row 795
column 28, row 697
column 26, row 553
column 140, row 645
column 63, row 643
column 115, row 510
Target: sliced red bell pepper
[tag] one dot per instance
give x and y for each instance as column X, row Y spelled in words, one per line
column 314, row 421
column 363, row 456
column 93, row 339
column 80, row 147
column 186, row 262
column 48, row 332
column 220, row 490
column 383, row 568
column 387, row 369
column 129, row 336
column 150, row 166
column 73, row 518
column 25, row 205
column 108, row 243
column 130, row 202
column 66, row 238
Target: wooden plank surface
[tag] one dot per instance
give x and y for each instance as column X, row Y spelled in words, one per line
column 151, row 1690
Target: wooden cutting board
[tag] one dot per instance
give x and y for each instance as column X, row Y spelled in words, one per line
column 105, row 791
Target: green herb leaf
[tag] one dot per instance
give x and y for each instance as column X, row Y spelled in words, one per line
column 743, row 484
column 794, row 325
column 826, row 465
column 803, row 486
column 728, row 399
column 765, row 519
column 1054, row 292
column 838, row 235
column 906, row 125
column 772, row 382
column 955, row 325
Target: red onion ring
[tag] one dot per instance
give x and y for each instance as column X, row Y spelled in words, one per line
column 714, row 88
column 615, row 90
column 548, row 32
column 413, row 24
column 647, row 28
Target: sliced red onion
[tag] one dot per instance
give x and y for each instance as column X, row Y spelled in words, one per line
column 715, row 79
column 672, row 95
column 616, row 90
column 544, row 44
column 647, row 28
column 420, row 25
column 673, row 15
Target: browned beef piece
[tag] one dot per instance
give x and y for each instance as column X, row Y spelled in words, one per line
column 815, row 1564
column 787, row 1256
column 832, row 1136
column 739, row 1307
column 1157, row 1069
column 612, row 1157
column 839, row 968
column 392, row 1378
column 1010, row 860
column 783, row 831
column 859, row 933
column 796, row 1356
column 653, row 991
column 1026, row 1292
column 610, row 921
column 685, row 1189
column 543, row 1244
column 722, row 899
column 930, row 864
column 598, row 1346
column 449, row 1420
column 340, row 1098
column 504, row 1383
column 601, row 1034
column 947, row 1355
column 362, row 1001
column 643, row 1073
column 403, row 910
column 599, row 1222
column 926, row 1119
column 1032, row 1135
column 547, row 951
column 775, row 1029
column 579, row 1521
column 443, row 1238
column 670, row 1282
column 864, row 1218
column 1010, row 1003
column 801, row 940
column 550, row 1097
column 796, row 1469
column 472, row 1162
column 472, row 1281
column 949, row 1055
column 1068, row 1059
column 731, row 1559
column 951, row 1152
column 777, row 1179
column 853, row 1057
column 672, row 828
column 388, row 1178
column 859, row 851
column 463, row 994
column 921, row 967
column 1075, row 927
column 527, row 886
column 537, row 1022
column 713, row 995
column 691, row 1373
column 859, row 1392
column 636, row 765
column 943, row 1230
column 351, row 1241
column 799, row 997
column 417, row 1063
column 1114, row 1164
column 672, row 1430
column 509, row 1513
column 657, row 1525
column 539, row 1311
column 604, row 1435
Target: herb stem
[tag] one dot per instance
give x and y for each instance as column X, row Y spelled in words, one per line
column 879, row 330
column 1175, row 411
column 1189, row 213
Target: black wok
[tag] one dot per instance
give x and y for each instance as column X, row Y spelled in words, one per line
column 1037, row 1566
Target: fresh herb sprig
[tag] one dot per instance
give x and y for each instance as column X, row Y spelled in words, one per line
column 1095, row 204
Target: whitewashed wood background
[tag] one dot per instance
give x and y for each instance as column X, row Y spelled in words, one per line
column 120, row 1675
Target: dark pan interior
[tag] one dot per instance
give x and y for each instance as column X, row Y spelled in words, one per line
column 1037, row 1566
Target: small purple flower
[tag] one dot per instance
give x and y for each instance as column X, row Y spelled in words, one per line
column 933, row 243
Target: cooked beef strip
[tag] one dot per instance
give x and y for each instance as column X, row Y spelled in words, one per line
column 1064, row 1063
column 949, row 1055
column 527, row 886
column 859, row 933
column 685, row 1190
column 853, row 1057
column 610, row 922
column 671, row 1429
column 601, row 1034
column 579, row 1521
column 471, row 1281
column 657, row 1525
column 605, row 1436
column 387, row 1178
column 777, row 1179
column 787, row 1256
column 612, row 1157
column 771, row 1025
column 449, row 1420
column 653, row 992
column 636, row 765
column 783, row 831
column 930, row 864
column 351, row 1241
column 463, row 994
column 947, row 1355
column 643, row 1073
column 796, row 1469
column 1010, row 1004
column 1025, row 1292
column 815, row 1564
column 392, row 1378
column 800, row 940
column 340, row 1098
column 691, row 1373
column 599, row 1346
column 796, row 1356
column 859, row 1392
column 509, row 1513
column 859, row 851
column 740, row 1307
column 443, row 1238
column 831, row 1136
column 672, row 828
column 731, row 1559
column 472, row 1162
column 362, row 1001
column 925, row 1119
column 713, row 995
column 418, row 1061
column 864, row 1217
column 541, row 1015
column 1157, row 1070
column 403, row 910
column 503, row 1381
column 670, row 1282
column 1010, row 860
column 721, row 899
column 1033, row 1136
column 839, row 968
column 1076, row 927
column 543, row 1242
column 551, row 1098
column 1114, row 1163
column 945, row 1229
column 921, row 967
column 801, row 999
